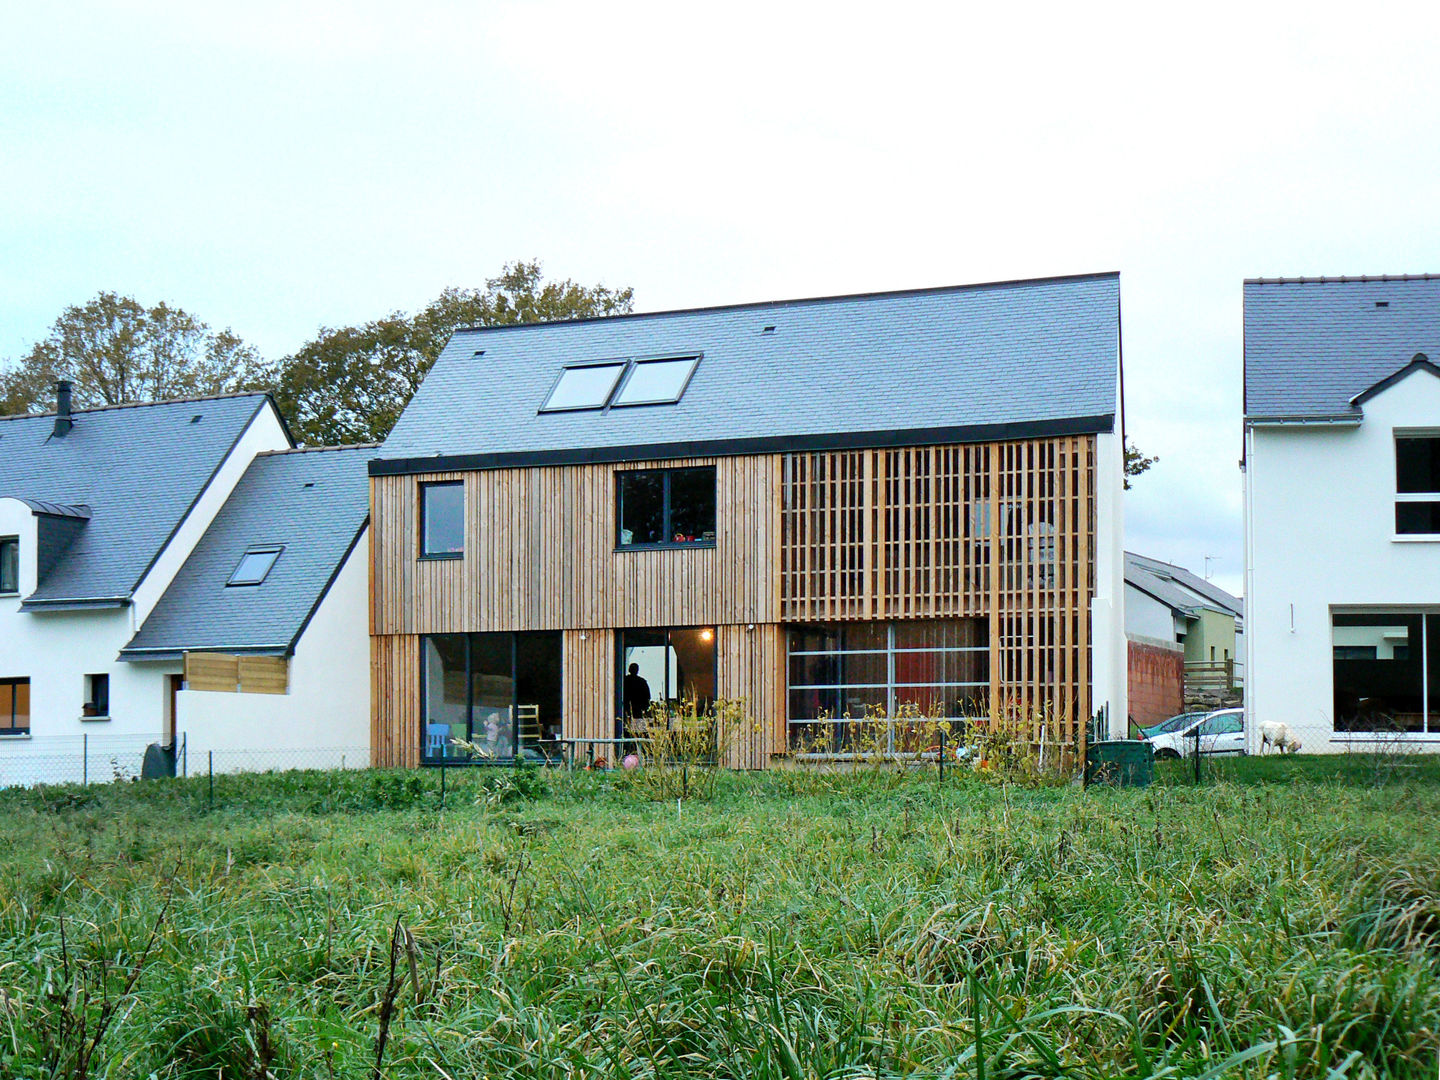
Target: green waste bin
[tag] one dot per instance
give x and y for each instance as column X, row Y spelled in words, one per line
column 1121, row 762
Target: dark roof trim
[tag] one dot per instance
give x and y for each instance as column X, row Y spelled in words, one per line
column 766, row 305
column 265, row 399
column 50, row 509
column 295, row 641
column 775, row 444
column 1189, row 613
column 171, row 652
column 1351, row 419
column 1420, row 362
column 1342, row 280
column 70, row 603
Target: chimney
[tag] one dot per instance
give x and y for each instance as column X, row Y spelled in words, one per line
column 63, row 423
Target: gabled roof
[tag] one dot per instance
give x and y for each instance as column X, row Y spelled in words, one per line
column 313, row 504
column 1177, row 588
column 135, row 469
column 954, row 364
column 1315, row 345
column 1421, row 363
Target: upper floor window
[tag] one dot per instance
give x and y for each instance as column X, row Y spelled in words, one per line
column 9, row 564
column 14, row 706
column 587, row 386
column 442, row 520
column 1417, row 485
column 656, row 382
column 665, row 507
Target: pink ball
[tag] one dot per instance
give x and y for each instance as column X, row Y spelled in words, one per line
column 630, row 761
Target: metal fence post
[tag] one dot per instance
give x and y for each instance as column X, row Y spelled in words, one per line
column 1197, row 752
column 211, row 755
column 942, row 755
column 184, row 755
column 85, row 759
column 442, row 779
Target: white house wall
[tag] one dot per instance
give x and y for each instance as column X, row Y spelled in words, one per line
column 1109, row 652
column 324, row 720
column 1147, row 617
column 1320, row 533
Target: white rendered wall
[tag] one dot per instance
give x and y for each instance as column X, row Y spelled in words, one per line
column 1109, row 653
column 1320, row 534
column 1147, row 617
column 324, row 721
column 57, row 649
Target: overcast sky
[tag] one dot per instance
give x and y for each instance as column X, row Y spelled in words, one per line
column 276, row 167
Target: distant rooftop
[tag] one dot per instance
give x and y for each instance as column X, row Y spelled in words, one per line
column 1314, row 344
column 1177, row 588
column 1023, row 357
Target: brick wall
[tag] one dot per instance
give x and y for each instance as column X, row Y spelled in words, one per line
column 1157, row 680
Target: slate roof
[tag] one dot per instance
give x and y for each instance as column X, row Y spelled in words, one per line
column 314, row 503
column 136, row 469
column 874, row 369
column 1177, row 588
column 1313, row 344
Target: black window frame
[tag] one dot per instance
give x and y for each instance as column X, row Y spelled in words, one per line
column 628, row 366
column 12, row 543
column 516, row 639
column 664, row 695
column 424, row 487
column 635, row 365
column 13, row 732
column 97, row 691
column 259, row 549
column 1410, row 496
column 622, row 365
column 666, row 473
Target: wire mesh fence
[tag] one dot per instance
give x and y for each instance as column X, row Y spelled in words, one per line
column 75, row 759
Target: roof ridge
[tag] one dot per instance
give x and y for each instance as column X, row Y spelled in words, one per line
column 198, row 398
column 762, row 305
column 319, row 449
column 1344, row 279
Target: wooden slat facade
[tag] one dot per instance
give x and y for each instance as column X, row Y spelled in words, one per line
column 997, row 531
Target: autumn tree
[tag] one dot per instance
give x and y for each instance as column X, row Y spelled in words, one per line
column 350, row 384
column 1136, row 462
column 113, row 349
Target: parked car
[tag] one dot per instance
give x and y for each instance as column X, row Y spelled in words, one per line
column 1177, row 722
column 1219, row 732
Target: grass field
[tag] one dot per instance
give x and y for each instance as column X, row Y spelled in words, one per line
column 1281, row 921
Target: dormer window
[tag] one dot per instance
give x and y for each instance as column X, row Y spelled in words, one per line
column 9, row 564
column 1417, row 485
column 656, row 380
column 585, row 387
column 254, row 565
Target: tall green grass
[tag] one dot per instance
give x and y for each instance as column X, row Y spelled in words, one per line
column 1283, row 921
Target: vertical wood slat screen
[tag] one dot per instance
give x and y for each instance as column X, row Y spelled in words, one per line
column 997, row 530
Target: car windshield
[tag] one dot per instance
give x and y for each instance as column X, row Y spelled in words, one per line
column 1175, row 723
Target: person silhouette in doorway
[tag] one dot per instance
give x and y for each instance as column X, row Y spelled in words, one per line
column 637, row 694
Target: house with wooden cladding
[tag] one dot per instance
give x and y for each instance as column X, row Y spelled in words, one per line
column 821, row 508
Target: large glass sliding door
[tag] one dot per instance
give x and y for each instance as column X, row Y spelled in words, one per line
column 499, row 693
column 668, row 667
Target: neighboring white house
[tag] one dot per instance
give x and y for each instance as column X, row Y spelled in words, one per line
column 99, row 508
column 270, row 618
column 1342, row 510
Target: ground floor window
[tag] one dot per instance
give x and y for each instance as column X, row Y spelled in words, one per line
column 845, row 672
column 14, row 706
column 1387, row 672
column 498, row 693
column 668, row 667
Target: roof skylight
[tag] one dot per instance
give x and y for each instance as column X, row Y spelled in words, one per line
column 254, row 565
column 585, row 387
column 656, row 382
